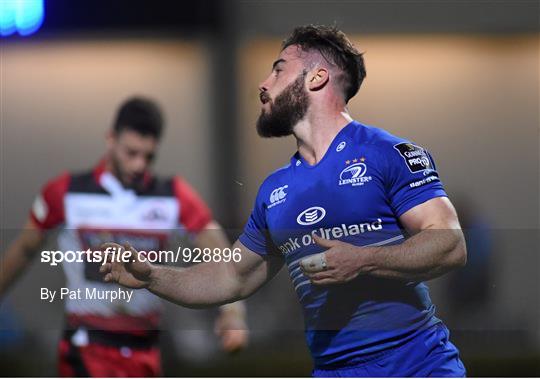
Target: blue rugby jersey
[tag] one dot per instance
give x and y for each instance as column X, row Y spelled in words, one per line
column 356, row 193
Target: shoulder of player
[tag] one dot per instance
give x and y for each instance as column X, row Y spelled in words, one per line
column 384, row 145
column 276, row 176
column 181, row 187
column 51, row 197
column 63, row 177
column 83, row 181
column 274, row 180
column 376, row 137
column 58, row 184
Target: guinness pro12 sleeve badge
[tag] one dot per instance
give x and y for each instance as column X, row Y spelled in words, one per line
column 416, row 158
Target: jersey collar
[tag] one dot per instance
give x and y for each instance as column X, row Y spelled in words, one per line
column 337, row 145
column 101, row 168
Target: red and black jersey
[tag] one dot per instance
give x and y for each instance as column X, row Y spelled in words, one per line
column 93, row 207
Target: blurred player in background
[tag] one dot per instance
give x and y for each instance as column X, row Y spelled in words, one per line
column 359, row 216
column 119, row 200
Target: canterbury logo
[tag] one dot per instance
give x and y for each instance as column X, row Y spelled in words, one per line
column 278, row 194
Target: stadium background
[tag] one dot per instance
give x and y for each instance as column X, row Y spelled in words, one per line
column 460, row 78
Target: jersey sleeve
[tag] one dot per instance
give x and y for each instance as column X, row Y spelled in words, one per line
column 255, row 234
column 412, row 177
column 48, row 208
column 194, row 213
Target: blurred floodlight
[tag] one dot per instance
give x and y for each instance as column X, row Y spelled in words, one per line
column 22, row 16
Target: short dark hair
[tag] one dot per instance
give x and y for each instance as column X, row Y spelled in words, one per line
column 336, row 48
column 141, row 115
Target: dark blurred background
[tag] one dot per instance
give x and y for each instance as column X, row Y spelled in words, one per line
column 458, row 77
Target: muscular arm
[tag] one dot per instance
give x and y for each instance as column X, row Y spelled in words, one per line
column 213, row 237
column 19, row 255
column 199, row 286
column 231, row 324
column 437, row 246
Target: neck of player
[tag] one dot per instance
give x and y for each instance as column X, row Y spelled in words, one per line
column 315, row 132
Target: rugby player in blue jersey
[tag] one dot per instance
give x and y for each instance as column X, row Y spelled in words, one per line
column 359, row 217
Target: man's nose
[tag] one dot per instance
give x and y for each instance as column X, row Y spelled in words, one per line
column 263, row 86
column 140, row 165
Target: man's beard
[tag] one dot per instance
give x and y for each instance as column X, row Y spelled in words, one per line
column 289, row 107
column 135, row 184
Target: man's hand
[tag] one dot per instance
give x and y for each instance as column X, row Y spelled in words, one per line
column 132, row 273
column 231, row 327
column 341, row 263
column 435, row 247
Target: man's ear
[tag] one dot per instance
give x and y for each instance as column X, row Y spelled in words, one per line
column 110, row 139
column 318, row 79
